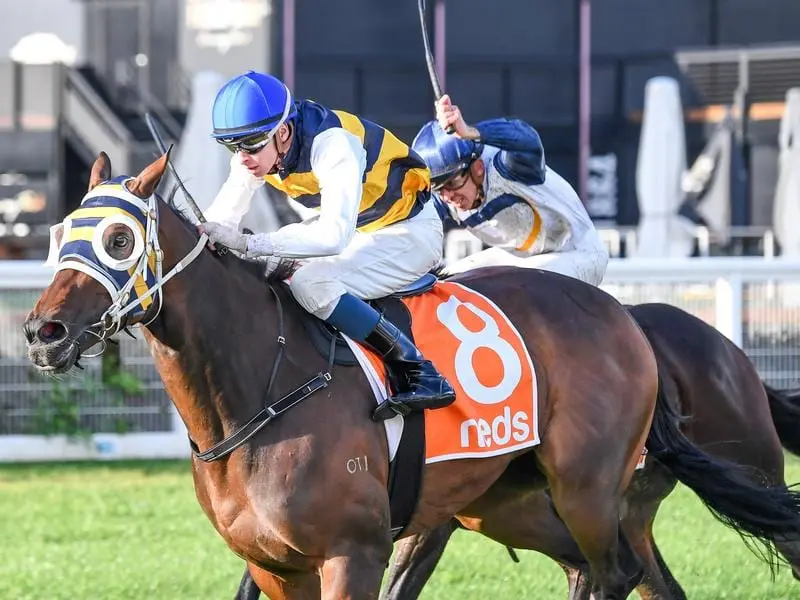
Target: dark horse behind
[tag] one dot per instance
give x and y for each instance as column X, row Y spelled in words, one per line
column 730, row 412
column 285, row 500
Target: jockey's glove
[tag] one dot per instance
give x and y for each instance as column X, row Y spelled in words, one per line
column 252, row 245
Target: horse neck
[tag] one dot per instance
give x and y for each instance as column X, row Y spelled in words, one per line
column 210, row 343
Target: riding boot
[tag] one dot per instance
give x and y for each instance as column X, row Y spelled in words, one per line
column 415, row 381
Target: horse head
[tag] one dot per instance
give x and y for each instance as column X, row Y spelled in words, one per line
column 112, row 255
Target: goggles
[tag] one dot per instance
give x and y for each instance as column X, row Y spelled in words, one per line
column 451, row 184
column 250, row 145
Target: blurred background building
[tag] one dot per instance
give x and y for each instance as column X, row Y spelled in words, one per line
column 77, row 76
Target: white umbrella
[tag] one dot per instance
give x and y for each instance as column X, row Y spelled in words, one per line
column 707, row 184
column 786, row 207
column 43, row 48
column 660, row 167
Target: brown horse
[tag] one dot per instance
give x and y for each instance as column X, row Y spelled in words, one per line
column 733, row 414
column 285, row 500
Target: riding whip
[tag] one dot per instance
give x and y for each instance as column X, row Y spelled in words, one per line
column 437, row 86
column 151, row 125
column 162, row 147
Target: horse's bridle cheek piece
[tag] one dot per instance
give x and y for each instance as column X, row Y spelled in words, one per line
column 134, row 284
column 133, row 298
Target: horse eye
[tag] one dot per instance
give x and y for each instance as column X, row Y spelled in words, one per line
column 120, row 241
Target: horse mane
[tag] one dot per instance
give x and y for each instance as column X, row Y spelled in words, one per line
column 282, row 271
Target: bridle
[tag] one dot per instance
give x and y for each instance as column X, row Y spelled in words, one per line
column 127, row 308
column 126, row 312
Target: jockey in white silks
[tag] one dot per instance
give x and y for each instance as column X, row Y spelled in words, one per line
column 493, row 180
column 377, row 230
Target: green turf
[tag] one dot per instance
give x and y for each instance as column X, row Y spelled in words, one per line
column 135, row 530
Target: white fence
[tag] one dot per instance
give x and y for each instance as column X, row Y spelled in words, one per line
column 754, row 301
column 109, row 425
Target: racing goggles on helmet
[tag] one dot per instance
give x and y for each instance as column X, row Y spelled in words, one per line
column 249, row 145
column 252, row 144
column 454, row 182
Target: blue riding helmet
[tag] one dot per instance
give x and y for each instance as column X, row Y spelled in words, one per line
column 250, row 104
column 446, row 155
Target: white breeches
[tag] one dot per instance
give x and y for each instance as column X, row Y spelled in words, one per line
column 373, row 265
column 587, row 262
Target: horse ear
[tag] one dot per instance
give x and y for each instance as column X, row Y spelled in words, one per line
column 101, row 171
column 56, row 239
column 147, row 181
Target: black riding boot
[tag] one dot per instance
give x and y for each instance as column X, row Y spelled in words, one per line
column 415, row 381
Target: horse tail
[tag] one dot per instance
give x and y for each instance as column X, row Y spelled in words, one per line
column 785, row 409
column 734, row 494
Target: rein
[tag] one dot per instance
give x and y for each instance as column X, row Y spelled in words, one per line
column 271, row 410
column 115, row 318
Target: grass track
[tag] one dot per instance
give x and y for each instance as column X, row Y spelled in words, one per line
column 135, row 530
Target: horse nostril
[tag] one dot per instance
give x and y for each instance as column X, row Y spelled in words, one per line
column 51, row 331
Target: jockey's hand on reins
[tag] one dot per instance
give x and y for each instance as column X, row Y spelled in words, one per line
column 221, row 238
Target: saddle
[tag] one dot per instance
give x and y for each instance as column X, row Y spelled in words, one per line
column 405, row 471
column 391, row 307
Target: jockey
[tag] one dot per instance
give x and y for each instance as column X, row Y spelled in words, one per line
column 494, row 181
column 376, row 232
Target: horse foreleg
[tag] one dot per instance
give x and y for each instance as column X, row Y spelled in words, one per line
column 292, row 586
column 414, row 561
column 353, row 573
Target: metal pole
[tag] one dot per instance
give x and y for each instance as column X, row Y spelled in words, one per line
column 584, row 96
column 144, row 48
column 17, row 96
column 288, row 44
column 439, row 51
column 740, row 173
